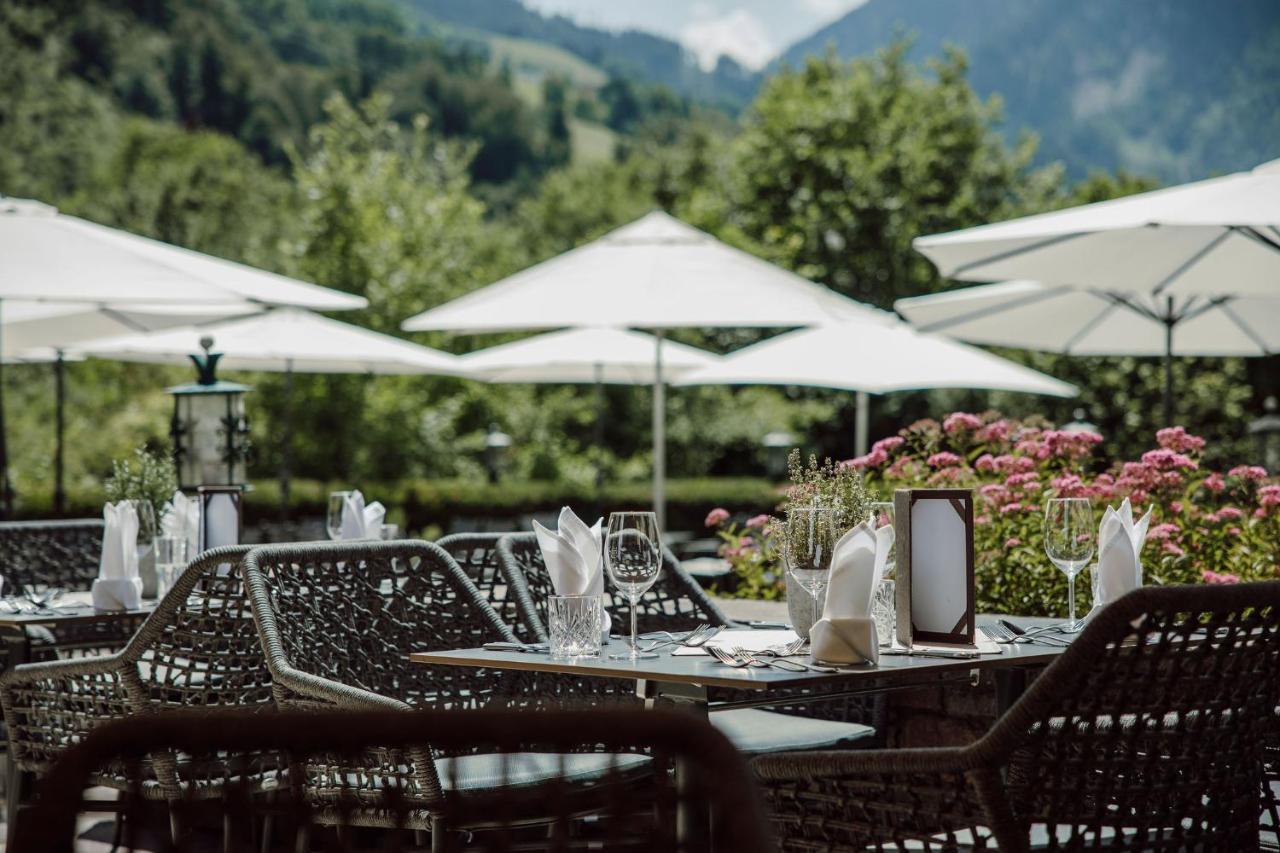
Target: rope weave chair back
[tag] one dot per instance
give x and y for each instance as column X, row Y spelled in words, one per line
column 477, row 555
column 198, row 648
column 633, row 812
column 1147, row 734
column 61, row 553
column 674, row 603
column 338, row 620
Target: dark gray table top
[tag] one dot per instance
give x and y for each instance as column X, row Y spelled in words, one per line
column 706, row 671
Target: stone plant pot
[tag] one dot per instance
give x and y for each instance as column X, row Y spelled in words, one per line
column 801, row 607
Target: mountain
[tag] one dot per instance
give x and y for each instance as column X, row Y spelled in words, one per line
column 1174, row 88
column 631, row 53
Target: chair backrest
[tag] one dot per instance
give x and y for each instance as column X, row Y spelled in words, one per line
column 674, row 603
column 636, row 812
column 477, row 555
column 352, row 612
column 1154, row 719
column 57, row 553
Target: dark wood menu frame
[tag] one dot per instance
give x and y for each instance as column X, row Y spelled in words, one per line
column 904, row 501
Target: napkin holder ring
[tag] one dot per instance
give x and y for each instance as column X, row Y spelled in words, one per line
column 116, row 594
column 845, row 640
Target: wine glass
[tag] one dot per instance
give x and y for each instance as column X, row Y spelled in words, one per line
column 633, row 557
column 1068, row 540
column 882, row 513
column 809, row 539
column 333, row 519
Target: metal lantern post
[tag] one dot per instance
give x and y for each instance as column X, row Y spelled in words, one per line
column 496, row 446
column 776, row 447
column 209, row 429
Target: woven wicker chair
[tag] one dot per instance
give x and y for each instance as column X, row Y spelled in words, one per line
column 1144, row 735
column 338, row 621
column 715, row 782
column 55, row 553
column 477, row 555
column 674, row 603
column 677, row 603
column 198, row 648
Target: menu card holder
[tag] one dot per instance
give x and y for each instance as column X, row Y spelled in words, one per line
column 934, row 559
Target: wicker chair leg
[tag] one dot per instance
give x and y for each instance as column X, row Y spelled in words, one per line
column 117, row 834
column 437, row 835
column 16, row 795
column 175, row 824
column 1009, row 834
column 302, row 841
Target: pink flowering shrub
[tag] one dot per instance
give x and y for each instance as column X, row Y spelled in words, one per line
column 751, row 549
column 1208, row 526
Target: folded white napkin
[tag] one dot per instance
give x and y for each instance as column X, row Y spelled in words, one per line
column 118, row 586
column 1120, row 542
column 846, row 633
column 360, row 521
column 181, row 520
column 574, row 556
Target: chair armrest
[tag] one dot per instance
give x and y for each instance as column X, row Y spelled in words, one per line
column 316, row 691
column 50, row 706
column 868, row 798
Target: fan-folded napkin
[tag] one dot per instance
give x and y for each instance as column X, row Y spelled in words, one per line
column 1120, row 542
column 574, row 556
column 181, row 520
column 360, row 521
column 118, row 586
column 846, row 633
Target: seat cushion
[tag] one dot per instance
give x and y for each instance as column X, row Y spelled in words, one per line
column 757, row 732
column 475, row 772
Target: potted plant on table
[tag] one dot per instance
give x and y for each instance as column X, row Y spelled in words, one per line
column 148, row 480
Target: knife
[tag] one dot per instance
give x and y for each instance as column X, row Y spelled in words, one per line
column 528, row 648
column 931, row 653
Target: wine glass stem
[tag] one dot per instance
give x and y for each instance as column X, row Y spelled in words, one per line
column 1071, row 600
column 635, row 641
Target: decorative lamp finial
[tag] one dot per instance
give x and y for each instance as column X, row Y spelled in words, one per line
column 206, row 365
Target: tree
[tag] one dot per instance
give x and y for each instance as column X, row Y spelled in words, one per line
column 840, row 164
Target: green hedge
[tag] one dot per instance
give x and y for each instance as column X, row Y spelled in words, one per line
column 421, row 505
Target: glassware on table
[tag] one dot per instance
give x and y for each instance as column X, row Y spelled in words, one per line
column 171, row 560
column 882, row 514
column 148, row 530
column 1068, row 541
column 885, row 611
column 575, row 624
column 633, row 558
column 333, row 518
column 389, row 532
column 808, row 540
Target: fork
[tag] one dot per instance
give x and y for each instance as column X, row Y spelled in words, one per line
column 692, row 640
column 786, row 650
column 725, row 658
column 1003, row 635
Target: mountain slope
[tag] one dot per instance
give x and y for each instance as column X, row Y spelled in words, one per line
column 647, row 57
column 1175, row 89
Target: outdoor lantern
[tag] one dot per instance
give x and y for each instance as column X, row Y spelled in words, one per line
column 1266, row 434
column 1080, row 424
column 209, row 429
column 776, row 447
column 496, row 446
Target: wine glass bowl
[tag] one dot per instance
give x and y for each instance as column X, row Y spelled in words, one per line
column 1068, row 542
column 633, row 559
column 808, row 542
column 333, row 517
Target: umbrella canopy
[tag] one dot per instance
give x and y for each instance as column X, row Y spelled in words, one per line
column 286, row 339
column 872, row 358
column 655, row 273
column 608, row 356
column 52, row 257
column 1055, row 318
column 1208, row 238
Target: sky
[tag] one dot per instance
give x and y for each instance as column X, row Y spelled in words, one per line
column 751, row 31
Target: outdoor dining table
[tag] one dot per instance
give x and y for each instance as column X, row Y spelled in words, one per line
column 690, row 682
column 73, row 620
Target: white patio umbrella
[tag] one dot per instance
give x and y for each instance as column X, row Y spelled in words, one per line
column 49, row 257
column 579, row 356
column 656, row 273
column 872, row 357
column 284, row 340
column 1169, row 256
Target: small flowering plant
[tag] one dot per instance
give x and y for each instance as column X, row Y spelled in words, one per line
column 752, row 550
column 1208, row 526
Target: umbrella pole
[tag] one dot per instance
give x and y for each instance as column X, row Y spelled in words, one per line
column 286, row 417
column 59, row 385
column 861, row 423
column 6, row 491
column 597, row 432
column 1169, row 322
column 659, row 435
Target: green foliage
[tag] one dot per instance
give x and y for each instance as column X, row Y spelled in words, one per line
column 148, row 476
column 828, row 485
